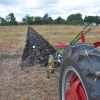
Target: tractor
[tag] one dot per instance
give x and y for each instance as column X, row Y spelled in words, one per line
column 78, row 64
column 79, row 68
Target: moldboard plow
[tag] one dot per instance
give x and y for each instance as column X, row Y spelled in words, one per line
column 78, row 63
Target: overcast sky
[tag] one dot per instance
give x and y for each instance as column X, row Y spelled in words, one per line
column 54, row 8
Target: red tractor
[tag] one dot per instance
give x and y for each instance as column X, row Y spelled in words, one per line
column 80, row 71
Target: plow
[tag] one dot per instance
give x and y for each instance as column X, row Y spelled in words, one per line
column 78, row 64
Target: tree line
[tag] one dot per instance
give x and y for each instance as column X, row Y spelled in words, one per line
column 73, row 19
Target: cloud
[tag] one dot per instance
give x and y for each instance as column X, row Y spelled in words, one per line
column 54, row 8
column 10, row 2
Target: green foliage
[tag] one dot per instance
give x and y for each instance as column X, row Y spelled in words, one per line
column 28, row 20
column 77, row 22
column 73, row 19
column 45, row 18
column 70, row 17
column 97, row 20
column 38, row 20
column 2, row 21
column 50, row 20
column 11, row 20
column 91, row 19
column 59, row 20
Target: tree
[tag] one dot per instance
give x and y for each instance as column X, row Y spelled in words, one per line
column 75, row 19
column 2, row 21
column 11, row 19
column 28, row 20
column 76, row 22
column 59, row 20
column 78, row 16
column 70, row 17
column 50, row 20
column 24, row 20
column 89, row 19
column 38, row 20
column 45, row 17
column 97, row 20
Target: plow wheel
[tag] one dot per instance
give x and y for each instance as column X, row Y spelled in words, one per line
column 78, row 73
column 50, row 63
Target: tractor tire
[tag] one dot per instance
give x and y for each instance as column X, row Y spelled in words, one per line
column 80, row 73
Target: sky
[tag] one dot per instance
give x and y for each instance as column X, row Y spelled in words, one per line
column 54, row 8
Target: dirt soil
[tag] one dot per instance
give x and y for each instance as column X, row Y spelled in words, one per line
column 30, row 84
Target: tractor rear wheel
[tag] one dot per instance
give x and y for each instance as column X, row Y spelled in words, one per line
column 80, row 73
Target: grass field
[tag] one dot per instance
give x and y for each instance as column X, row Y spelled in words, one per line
column 32, row 83
column 57, row 33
